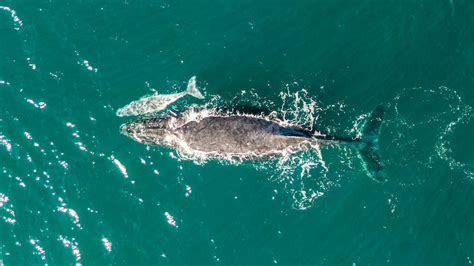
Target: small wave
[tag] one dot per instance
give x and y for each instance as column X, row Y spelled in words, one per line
column 120, row 166
column 6, row 143
column 4, row 82
column 107, row 244
column 72, row 214
column 8, row 208
column 85, row 63
column 16, row 20
column 39, row 249
column 73, row 245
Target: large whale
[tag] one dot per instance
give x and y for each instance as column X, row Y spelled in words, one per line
column 250, row 137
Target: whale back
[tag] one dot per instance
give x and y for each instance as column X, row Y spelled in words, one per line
column 239, row 135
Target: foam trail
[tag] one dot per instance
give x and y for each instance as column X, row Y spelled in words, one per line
column 444, row 114
column 443, row 148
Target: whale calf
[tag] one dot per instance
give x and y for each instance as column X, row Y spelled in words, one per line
column 158, row 102
column 250, row 137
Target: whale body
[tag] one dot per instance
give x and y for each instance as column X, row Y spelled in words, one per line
column 158, row 102
column 250, row 137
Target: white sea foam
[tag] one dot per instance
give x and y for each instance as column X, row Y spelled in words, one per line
column 5, row 142
column 73, row 245
column 16, row 20
column 107, row 244
column 39, row 105
column 3, row 82
column 39, row 250
column 465, row 115
column 89, row 67
column 3, row 199
column 72, row 213
column 120, row 166
column 293, row 166
column 170, row 219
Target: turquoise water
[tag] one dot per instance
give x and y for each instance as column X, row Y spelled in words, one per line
column 74, row 190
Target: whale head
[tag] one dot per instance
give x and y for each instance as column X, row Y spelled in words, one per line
column 151, row 131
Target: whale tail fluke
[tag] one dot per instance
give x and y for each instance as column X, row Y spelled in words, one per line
column 369, row 149
column 193, row 90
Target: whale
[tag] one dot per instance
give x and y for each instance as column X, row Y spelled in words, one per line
column 249, row 137
column 158, row 102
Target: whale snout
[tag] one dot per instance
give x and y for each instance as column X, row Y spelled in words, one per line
column 148, row 131
column 126, row 129
column 130, row 130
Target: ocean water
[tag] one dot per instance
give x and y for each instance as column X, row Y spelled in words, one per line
column 73, row 190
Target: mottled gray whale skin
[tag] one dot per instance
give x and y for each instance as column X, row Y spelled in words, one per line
column 249, row 137
column 225, row 135
column 241, row 135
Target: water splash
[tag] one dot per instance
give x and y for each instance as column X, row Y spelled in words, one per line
column 301, row 171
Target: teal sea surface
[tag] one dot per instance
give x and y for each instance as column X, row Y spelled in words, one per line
column 74, row 190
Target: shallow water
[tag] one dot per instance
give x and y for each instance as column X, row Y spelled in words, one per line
column 73, row 189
